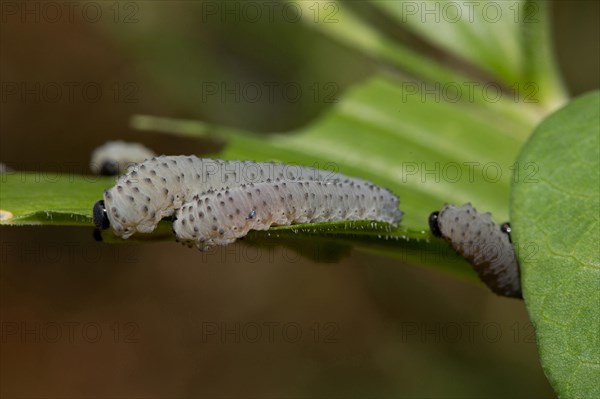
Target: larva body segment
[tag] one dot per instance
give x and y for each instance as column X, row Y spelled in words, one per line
column 113, row 157
column 154, row 189
column 483, row 243
column 220, row 217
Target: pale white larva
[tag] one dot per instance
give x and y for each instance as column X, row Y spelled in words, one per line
column 4, row 168
column 220, row 217
column 113, row 157
column 483, row 243
column 155, row 188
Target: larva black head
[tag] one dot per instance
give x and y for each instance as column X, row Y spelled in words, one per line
column 99, row 215
column 109, row 168
column 433, row 224
column 505, row 228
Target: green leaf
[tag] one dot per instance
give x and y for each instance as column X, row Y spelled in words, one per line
column 555, row 209
column 50, row 198
column 501, row 45
column 508, row 40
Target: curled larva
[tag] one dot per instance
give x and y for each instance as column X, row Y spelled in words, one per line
column 155, row 188
column 219, row 217
column 483, row 243
column 113, row 157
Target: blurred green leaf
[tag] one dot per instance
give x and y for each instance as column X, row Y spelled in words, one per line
column 488, row 46
column 555, row 209
column 507, row 40
column 50, row 198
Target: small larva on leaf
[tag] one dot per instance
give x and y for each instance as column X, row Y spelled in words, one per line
column 155, row 188
column 272, row 204
column 113, row 157
column 483, row 243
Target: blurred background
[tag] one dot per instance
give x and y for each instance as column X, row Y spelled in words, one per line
column 84, row 319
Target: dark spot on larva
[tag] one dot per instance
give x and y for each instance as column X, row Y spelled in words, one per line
column 120, row 189
column 200, row 214
column 183, row 222
column 153, row 215
column 214, row 228
column 148, row 199
column 219, row 195
column 137, row 190
column 145, row 209
column 208, row 209
column 221, row 231
column 153, row 172
column 131, row 199
column 222, row 203
column 143, row 167
column 147, row 180
column 237, row 211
